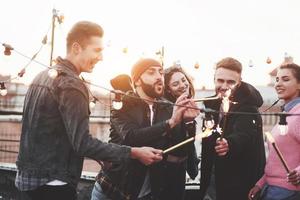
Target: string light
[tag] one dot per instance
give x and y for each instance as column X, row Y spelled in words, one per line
column 250, row 63
column 45, row 39
column 197, row 65
column 52, row 73
column 60, row 18
column 117, row 102
column 283, row 128
column 3, row 90
column 93, row 103
column 7, row 49
column 125, row 50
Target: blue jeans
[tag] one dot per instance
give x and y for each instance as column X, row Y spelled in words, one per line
column 98, row 194
column 271, row 192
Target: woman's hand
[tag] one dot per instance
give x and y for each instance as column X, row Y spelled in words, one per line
column 254, row 192
column 293, row 177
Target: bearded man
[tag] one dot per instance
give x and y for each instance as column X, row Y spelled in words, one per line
column 142, row 121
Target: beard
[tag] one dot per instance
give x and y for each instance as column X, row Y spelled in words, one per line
column 150, row 89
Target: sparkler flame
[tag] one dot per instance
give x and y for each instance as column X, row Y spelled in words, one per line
column 226, row 101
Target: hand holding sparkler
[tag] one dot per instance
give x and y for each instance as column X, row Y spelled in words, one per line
column 278, row 152
column 190, row 114
column 178, row 110
column 292, row 176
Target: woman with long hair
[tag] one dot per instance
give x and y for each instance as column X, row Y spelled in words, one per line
column 177, row 82
column 276, row 183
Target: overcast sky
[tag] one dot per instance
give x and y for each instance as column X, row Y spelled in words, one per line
column 191, row 31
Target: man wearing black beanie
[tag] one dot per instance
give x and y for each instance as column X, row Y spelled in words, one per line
column 143, row 121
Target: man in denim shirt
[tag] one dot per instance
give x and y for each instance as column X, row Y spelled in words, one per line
column 55, row 131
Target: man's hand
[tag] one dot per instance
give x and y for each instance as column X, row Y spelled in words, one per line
column 221, row 147
column 293, row 177
column 146, row 155
column 178, row 110
column 254, row 192
column 190, row 114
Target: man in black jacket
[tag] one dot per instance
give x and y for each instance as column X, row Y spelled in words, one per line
column 143, row 121
column 238, row 159
column 55, row 127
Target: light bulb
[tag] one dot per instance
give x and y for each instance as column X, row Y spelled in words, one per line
column 8, row 49
column 52, row 73
column 92, row 104
column 117, row 105
column 197, row 65
column 283, row 129
column 3, row 92
column 250, row 63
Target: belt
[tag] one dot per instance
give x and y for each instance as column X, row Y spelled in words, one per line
column 176, row 159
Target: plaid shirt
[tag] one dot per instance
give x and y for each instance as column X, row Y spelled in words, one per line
column 25, row 182
column 109, row 189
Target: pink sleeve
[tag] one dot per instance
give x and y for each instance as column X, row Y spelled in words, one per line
column 261, row 182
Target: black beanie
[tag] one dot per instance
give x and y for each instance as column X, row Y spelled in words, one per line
column 141, row 66
column 121, row 82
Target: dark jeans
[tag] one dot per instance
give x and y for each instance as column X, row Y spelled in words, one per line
column 48, row 192
column 271, row 192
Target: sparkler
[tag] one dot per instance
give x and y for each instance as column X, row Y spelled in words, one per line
column 225, row 107
column 278, row 152
column 206, row 99
column 198, row 136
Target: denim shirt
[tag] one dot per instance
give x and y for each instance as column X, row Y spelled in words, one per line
column 55, row 131
column 287, row 107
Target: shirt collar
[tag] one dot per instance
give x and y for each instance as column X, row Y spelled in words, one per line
column 287, row 107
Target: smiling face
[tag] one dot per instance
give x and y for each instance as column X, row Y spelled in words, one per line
column 178, row 84
column 89, row 55
column 287, row 86
column 226, row 79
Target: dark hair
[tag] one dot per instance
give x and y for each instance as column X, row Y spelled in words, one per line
column 81, row 33
column 231, row 64
column 295, row 69
column 167, row 76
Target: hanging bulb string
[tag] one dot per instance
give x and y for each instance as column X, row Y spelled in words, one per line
column 90, row 92
column 21, row 73
column 205, row 110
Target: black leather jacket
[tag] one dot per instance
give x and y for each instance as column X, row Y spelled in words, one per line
column 131, row 126
column 55, row 129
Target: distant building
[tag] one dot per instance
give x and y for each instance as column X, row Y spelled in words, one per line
column 14, row 99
